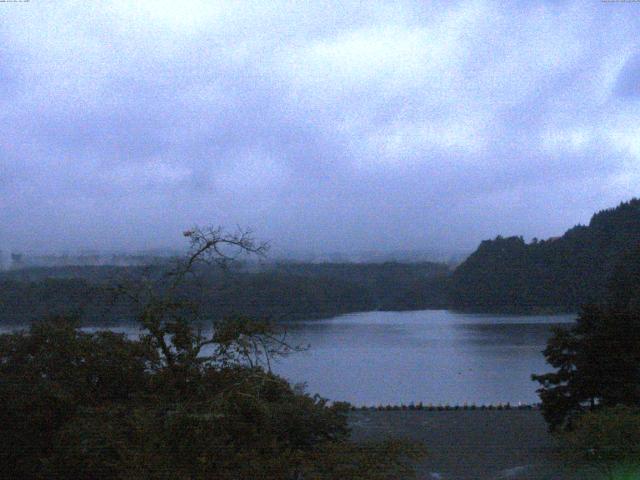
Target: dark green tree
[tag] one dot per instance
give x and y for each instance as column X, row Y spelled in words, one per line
column 559, row 274
column 597, row 364
column 177, row 402
column 597, row 360
column 607, row 440
column 624, row 284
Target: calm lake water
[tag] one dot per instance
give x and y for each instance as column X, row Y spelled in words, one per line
column 431, row 356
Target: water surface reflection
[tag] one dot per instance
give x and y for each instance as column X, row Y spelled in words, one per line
column 430, row 356
column 433, row 356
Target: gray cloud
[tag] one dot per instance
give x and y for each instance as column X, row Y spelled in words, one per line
column 325, row 126
column 628, row 82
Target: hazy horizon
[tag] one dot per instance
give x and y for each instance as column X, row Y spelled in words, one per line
column 324, row 127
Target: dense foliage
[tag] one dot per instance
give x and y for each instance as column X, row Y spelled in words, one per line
column 597, row 360
column 607, row 440
column 98, row 405
column 597, row 364
column 384, row 286
column 279, row 292
column 179, row 402
column 555, row 274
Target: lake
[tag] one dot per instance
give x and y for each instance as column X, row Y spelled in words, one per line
column 431, row 356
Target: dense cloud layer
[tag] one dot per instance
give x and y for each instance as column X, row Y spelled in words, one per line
column 323, row 125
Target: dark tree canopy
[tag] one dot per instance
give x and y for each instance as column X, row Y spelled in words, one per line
column 597, row 361
column 607, row 440
column 624, row 284
column 597, row 364
column 286, row 291
column 556, row 274
column 99, row 405
column 178, row 402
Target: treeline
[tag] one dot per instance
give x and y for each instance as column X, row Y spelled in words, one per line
column 284, row 291
column 591, row 398
column 385, row 286
column 99, row 405
column 502, row 275
column 559, row 274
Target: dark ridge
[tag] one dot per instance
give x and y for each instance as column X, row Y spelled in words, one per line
column 557, row 274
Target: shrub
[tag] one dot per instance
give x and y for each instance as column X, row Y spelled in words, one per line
column 607, row 439
column 101, row 406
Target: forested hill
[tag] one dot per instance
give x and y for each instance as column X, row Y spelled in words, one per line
column 284, row 291
column 507, row 274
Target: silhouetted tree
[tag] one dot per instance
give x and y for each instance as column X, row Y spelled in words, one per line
column 178, row 402
column 597, row 364
column 560, row 273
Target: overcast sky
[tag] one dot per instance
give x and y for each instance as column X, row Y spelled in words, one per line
column 324, row 126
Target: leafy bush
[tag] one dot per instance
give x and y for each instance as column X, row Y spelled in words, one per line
column 597, row 363
column 99, row 405
column 607, row 439
column 174, row 403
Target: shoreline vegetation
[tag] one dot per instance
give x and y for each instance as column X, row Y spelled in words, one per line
column 443, row 407
column 287, row 292
column 560, row 273
column 231, row 397
column 503, row 276
column 524, row 311
column 28, row 295
column 101, row 405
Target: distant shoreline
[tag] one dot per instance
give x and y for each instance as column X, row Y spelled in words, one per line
column 527, row 311
column 14, row 324
column 428, row 407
